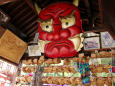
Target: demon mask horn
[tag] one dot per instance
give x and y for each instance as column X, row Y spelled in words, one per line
column 76, row 2
column 38, row 9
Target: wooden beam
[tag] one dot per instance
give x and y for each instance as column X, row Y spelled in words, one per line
column 31, row 5
column 24, row 18
column 29, row 26
column 33, row 33
column 90, row 16
column 100, row 10
column 2, row 2
column 31, row 19
column 20, row 13
column 16, row 8
column 32, row 29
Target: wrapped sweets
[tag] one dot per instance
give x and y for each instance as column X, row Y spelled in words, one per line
column 56, row 60
column 26, row 69
column 44, row 80
column 22, row 79
column 61, row 80
column 106, row 69
column 28, row 79
column 41, row 60
column 49, row 61
column 66, row 61
column 35, row 61
column 81, row 55
column 113, row 79
column 108, row 54
column 24, row 62
column 78, row 81
column 93, row 55
column 50, row 80
column 53, row 80
column 50, row 69
column 55, row 69
column 108, row 81
column 32, row 69
column 66, row 69
column 29, row 61
column 102, row 53
column 93, row 68
column 56, row 81
column 100, row 81
column 67, row 81
column 59, row 69
column 93, row 81
column 72, row 80
column 17, row 79
column 75, row 59
column 72, row 70
column 46, row 69
column 100, row 68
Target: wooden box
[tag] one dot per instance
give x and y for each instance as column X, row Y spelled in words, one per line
column 12, row 47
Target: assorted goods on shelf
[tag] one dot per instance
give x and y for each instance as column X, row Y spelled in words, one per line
column 81, row 70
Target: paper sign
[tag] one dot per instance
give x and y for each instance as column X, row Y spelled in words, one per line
column 34, row 50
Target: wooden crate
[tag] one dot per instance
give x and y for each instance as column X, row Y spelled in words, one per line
column 12, row 47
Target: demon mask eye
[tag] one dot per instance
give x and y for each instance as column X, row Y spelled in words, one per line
column 46, row 25
column 68, row 21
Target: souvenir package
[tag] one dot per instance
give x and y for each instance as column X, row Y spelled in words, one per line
column 24, row 62
column 100, row 81
column 49, row 61
column 29, row 61
column 35, row 61
column 93, row 81
column 93, row 55
column 66, row 61
column 56, row 60
column 41, row 60
column 75, row 59
column 108, row 81
column 113, row 79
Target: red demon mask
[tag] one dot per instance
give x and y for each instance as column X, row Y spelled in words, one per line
column 59, row 30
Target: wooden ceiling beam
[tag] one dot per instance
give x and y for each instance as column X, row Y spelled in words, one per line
column 32, row 29
column 16, row 8
column 33, row 33
column 31, row 19
column 24, row 17
column 2, row 2
column 100, row 10
column 29, row 3
column 90, row 16
column 19, row 13
column 29, row 26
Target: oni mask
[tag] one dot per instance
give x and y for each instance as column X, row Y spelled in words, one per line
column 60, row 30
